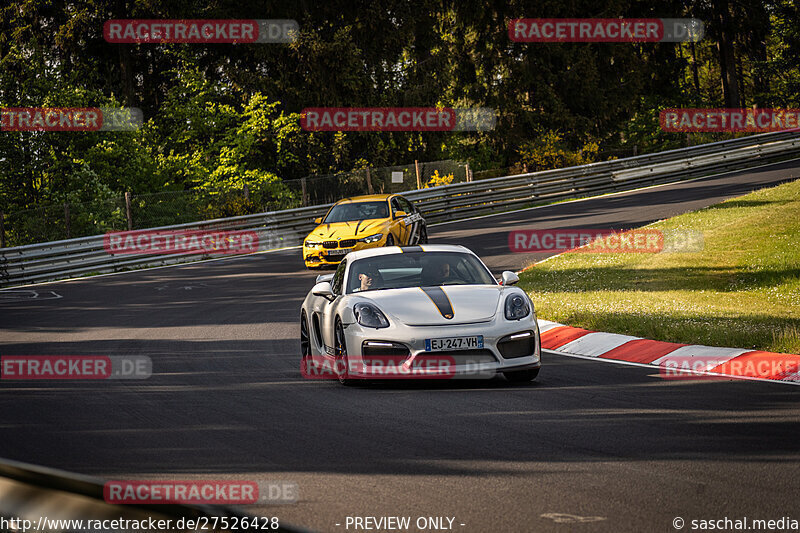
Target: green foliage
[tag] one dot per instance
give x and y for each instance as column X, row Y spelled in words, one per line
column 437, row 180
column 218, row 117
column 549, row 150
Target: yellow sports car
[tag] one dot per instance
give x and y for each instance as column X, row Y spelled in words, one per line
column 363, row 222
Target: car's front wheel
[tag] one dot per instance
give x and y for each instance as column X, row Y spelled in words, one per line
column 423, row 236
column 305, row 346
column 340, row 353
column 522, row 376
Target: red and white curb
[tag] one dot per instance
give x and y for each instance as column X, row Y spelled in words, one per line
column 705, row 361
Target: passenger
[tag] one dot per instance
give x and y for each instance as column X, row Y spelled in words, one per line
column 436, row 273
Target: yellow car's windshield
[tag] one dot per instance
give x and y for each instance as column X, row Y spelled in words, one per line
column 357, row 211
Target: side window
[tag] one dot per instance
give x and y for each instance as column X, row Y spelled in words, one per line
column 395, row 206
column 338, row 278
column 405, row 205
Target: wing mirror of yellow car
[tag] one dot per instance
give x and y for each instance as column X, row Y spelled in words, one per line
column 318, row 220
column 400, row 214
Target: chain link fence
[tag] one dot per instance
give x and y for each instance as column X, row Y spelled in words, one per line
column 140, row 211
column 317, row 190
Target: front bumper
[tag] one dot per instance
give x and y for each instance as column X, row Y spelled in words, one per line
column 317, row 256
column 407, row 344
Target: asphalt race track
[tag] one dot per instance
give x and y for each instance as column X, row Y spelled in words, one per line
column 613, row 446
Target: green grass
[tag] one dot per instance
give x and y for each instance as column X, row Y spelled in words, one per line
column 742, row 290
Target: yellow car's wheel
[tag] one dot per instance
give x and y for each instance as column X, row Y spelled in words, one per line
column 423, row 236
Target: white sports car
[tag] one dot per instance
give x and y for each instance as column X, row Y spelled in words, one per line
column 432, row 311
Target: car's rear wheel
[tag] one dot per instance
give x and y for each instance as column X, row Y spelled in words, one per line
column 522, row 376
column 305, row 345
column 390, row 240
column 340, row 353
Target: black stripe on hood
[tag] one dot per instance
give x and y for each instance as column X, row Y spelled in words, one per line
column 440, row 300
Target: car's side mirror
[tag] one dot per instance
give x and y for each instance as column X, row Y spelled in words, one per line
column 323, row 289
column 324, row 277
column 509, row 278
column 318, row 220
column 400, row 214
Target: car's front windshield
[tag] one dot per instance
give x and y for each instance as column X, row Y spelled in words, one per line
column 417, row 269
column 351, row 211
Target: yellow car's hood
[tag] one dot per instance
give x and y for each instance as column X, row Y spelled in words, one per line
column 356, row 229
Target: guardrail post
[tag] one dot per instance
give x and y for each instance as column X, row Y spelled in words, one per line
column 2, row 230
column 469, row 174
column 369, row 182
column 128, row 210
column 419, row 182
column 66, row 218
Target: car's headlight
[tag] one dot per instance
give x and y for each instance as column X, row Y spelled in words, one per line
column 372, row 238
column 310, row 244
column 517, row 307
column 370, row 316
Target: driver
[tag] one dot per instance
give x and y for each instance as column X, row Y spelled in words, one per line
column 369, row 210
column 369, row 278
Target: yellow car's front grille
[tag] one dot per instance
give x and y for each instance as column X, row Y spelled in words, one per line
column 347, row 243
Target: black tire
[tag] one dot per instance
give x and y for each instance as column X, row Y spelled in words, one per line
column 340, row 353
column 423, row 235
column 522, row 376
column 305, row 346
column 390, row 240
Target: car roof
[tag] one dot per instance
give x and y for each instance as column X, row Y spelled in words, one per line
column 364, row 198
column 390, row 250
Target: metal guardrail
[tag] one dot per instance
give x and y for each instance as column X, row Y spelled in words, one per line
column 75, row 257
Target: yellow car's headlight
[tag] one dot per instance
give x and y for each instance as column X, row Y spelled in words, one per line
column 311, row 244
column 372, row 238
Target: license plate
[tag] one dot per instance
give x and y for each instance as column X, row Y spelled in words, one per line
column 343, row 251
column 454, row 343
